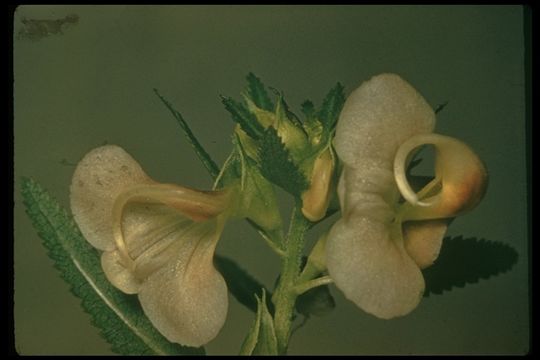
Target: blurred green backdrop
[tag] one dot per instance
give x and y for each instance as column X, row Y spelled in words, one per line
column 93, row 83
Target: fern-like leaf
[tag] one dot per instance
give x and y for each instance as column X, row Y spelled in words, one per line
column 119, row 316
column 277, row 165
column 331, row 107
column 241, row 115
column 258, row 94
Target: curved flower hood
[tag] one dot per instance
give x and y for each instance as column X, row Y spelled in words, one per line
column 158, row 241
column 376, row 250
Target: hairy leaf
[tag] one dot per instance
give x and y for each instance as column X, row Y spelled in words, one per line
column 318, row 135
column 331, row 107
column 261, row 339
column 241, row 285
column 207, row 161
column 308, row 109
column 278, row 167
column 283, row 111
column 258, row 94
column 241, row 115
column 119, row 317
column 465, row 261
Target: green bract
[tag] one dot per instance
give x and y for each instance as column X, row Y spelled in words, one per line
column 290, row 153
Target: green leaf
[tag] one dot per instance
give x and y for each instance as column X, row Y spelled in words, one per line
column 278, row 167
column 283, row 112
column 207, row 161
column 261, row 339
column 241, row 115
column 317, row 134
column 258, row 94
column 241, row 285
column 119, row 317
column 331, row 107
column 465, row 261
column 258, row 201
column 308, row 109
column 258, row 195
column 259, row 198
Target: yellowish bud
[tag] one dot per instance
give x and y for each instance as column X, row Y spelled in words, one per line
column 315, row 200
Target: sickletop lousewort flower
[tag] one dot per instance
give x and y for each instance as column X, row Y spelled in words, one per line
column 375, row 252
column 158, row 241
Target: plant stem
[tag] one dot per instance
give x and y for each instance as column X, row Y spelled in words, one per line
column 285, row 295
column 308, row 285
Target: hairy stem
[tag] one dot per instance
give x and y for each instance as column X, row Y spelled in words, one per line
column 285, row 295
column 308, row 285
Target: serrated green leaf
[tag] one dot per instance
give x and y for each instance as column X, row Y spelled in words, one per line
column 331, row 107
column 258, row 94
column 261, row 339
column 283, row 112
column 318, row 136
column 119, row 317
column 241, row 115
column 308, row 109
column 241, row 285
column 263, row 213
column 278, row 167
column 240, row 168
column 207, row 161
column 258, row 199
column 465, row 261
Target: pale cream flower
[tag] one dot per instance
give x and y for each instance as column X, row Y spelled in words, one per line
column 374, row 253
column 158, row 241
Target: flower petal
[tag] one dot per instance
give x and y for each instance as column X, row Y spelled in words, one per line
column 460, row 173
column 366, row 254
column 120, row 276
column 377, row 117
column 107, row 179
column 368, row 263
column 148, row 230
column 186, row 300
column 180, row 291
column 99, row 178
column 158, row 241
column 423, row 240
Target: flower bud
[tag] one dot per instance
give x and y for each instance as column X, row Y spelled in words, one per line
column 315, row 200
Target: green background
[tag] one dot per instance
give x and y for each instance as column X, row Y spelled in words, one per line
column 92, row 84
